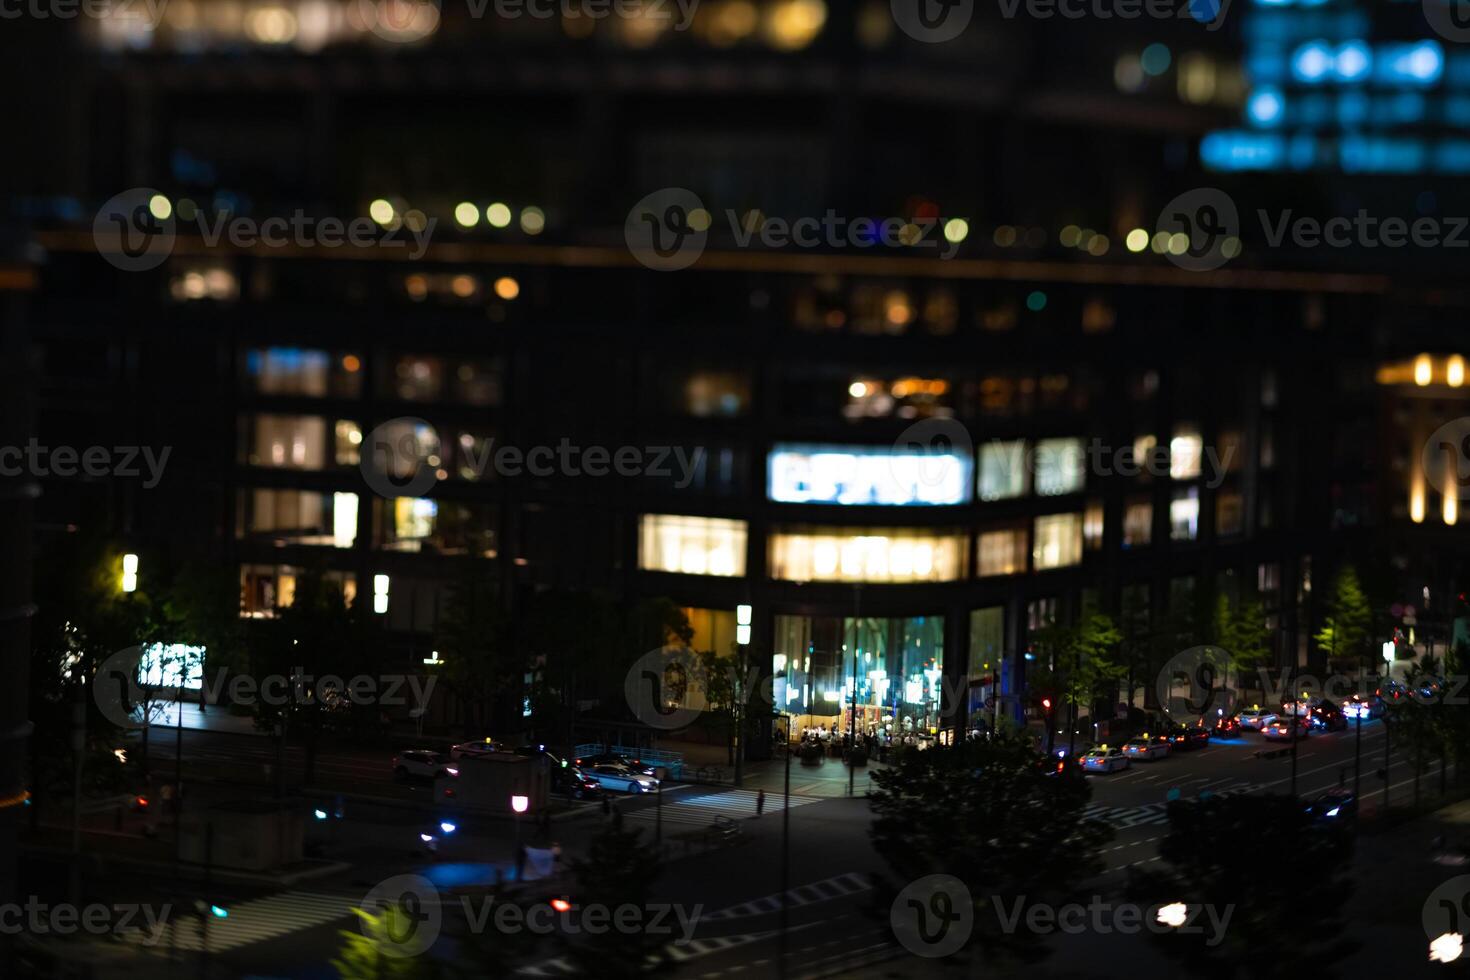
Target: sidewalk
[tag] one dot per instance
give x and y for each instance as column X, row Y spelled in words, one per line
column 165, row 715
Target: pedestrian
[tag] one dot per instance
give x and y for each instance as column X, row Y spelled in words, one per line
column 760, row 802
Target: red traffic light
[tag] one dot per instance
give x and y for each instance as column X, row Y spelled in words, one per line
column 1046, row 703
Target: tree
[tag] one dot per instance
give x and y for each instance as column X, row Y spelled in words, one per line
column 994, row 814
column 728, row 683
column 1345, row 630
column 362, row 955
column 1082, row 664
column 619, row 869
column 481, row 663
column 1240, row 627
column 1293, row 865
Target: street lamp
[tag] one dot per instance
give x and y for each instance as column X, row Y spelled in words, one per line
column 130, row 573
column 519, row 804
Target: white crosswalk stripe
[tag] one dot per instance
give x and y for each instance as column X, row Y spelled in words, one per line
column 1152, row 814
column 817, row 891
column 262, row 919
column 700, row 811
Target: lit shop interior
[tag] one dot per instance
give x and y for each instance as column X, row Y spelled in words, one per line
column 888, row 670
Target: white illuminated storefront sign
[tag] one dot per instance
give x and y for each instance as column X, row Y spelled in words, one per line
column 803, row 474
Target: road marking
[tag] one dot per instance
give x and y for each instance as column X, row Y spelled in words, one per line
column 263, row 919
column 700, row 811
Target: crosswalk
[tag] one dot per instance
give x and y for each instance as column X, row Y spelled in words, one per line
column 700, row 811
column 825, row 890
column 1152, row 814
column 262, row 919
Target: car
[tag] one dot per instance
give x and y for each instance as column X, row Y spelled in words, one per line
column 1226, row 726
column 539, row 750
column 421, row 764
column 483, row 746
column 1147, row 747
column 615, row 759
column 1336, row 808
column 1366, row 707
column 1328, row 716
column 1255, row 717
column 1104, row 759
column 1189, row 737
column 1300, row 706
column 1285, row 729
column 575, row 783
column 610, row 776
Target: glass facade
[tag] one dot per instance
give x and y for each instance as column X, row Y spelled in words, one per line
column 868, row 555
column 887, row 669
column 1058, row 541
column 1002, row 470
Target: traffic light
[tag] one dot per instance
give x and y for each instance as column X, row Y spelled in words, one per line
column 1046, row 704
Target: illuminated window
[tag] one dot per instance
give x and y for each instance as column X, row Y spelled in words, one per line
column 1184, row 515
column 714, row 394
column 296, row 442
column 868, row 555
column 1057, row 541
column 1002, row 470
column 1003, row 552
column 1092, row 526
column 1144, row 448
column 692, row 545
column 417, row 379
column 477, row 383
column 905, row 397
column 1232, row 450
column 867, row 475
column 444, row 527
column 348, row 443
column 1185, row 451
column 288, row 516
column 172, row 665
column 1138, row 524
column 1229, row 512
column 299, row 371
column 1059, row 466
column 267, row 589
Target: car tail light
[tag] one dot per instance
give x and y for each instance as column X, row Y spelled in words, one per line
column 561, row 904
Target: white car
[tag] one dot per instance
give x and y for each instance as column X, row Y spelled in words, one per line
column 484, row 746
column 609, row 776
column 1104, row 759
column 1256, row 718
column 421, row 764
